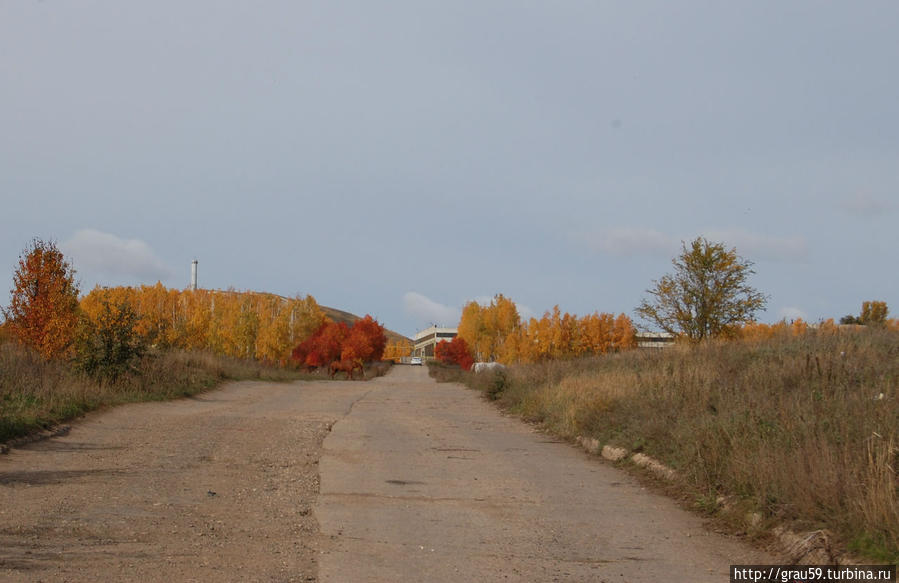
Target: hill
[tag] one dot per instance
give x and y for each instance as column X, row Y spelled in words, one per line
column 348, row 319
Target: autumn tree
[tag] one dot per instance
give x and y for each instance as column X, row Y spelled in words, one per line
column 323, row 347
column 454, row 352
column 43, row 309
column 707, row 296
column 396, row 350
column 108, row 344
column 486, row 328
column 472, row 327
column 873, row 313
column 366, row 341
column 239, row 324
column 624, row 336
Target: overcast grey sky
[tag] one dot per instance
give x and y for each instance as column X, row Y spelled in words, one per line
column 401, row 158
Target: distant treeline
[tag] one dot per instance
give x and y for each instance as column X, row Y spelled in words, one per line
column 239, row 324
column 497, row 332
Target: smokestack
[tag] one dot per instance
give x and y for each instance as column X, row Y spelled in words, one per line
column 193, row 275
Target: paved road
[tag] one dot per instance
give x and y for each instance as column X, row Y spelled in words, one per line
column 427, row 482
column 215, row 488
column 419, row 482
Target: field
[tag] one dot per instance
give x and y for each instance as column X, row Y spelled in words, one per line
column 802, row 430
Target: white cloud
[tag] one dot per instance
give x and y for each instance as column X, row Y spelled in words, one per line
column 864, row 205
column 791, row 313
column 754, row 246
column 102, row 253
column 632, row 241
column 427, row 311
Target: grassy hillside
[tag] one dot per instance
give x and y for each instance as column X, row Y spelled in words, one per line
column 348, row 318
column 801, row 430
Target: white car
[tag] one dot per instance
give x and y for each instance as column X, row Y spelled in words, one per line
column 415, row 360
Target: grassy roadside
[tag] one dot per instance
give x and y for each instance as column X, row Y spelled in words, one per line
column 794, row 429
column 36, row 394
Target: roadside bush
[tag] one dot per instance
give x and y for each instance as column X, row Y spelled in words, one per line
column 492, row 383
column 109, row 346
column 454, row 352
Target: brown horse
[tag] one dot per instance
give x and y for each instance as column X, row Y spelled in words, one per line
column 347, row 366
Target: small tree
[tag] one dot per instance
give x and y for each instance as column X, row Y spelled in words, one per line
column 454, row 352
column 707, row 295
column 873, row 313
column 109, row 345
column 43, row 309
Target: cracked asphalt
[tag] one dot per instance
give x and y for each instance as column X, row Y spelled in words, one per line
column 428, row 482
column 395, row 479
column 214, row 488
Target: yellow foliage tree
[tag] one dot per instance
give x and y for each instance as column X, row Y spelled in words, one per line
column 873, row 312
column 486, row 328
column 44, row 300
column 238, row 324
column 497, row 332
column 396, row 350
column 472, row 328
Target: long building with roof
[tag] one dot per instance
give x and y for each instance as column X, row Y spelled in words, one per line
column 425, row 341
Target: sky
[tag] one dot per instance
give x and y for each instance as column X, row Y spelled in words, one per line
column 404, row 158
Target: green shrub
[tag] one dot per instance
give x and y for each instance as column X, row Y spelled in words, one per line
column 110, row 347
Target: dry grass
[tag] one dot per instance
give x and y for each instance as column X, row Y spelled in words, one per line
column 793, row 428
column 36, row 394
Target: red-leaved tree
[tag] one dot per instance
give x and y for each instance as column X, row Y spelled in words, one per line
column 454, row 352
column 365, row 341
column 323, row 347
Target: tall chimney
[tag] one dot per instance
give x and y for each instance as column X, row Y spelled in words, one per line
column 193, row 275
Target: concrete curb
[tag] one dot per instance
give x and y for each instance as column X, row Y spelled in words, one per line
column 613, row 454
column 654, row 466
column 610, row 452
column 810, row 548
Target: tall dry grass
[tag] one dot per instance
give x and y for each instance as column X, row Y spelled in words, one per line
column 36, row 394
column 793, row 428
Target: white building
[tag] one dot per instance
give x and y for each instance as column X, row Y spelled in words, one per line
column 654, row 339
column 425, row 341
